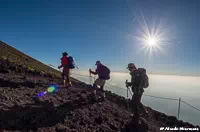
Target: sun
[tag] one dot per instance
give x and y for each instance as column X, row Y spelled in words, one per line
column 152, row 37
column 151, row 41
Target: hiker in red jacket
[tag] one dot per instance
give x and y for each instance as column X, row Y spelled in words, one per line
column 66, row 70
column 103, row 74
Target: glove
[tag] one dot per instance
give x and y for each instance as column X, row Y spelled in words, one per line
column 127, row 83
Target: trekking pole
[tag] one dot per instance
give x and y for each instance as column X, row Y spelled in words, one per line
column 127, row 94
column 52, row 66
column 90, row 78
column 127, row 88
column 94, row 78
column 179, row 103
column 76, row 66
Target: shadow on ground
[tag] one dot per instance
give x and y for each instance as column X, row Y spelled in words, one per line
column 37, row 115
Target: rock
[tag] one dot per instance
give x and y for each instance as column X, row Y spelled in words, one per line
column 98, row 120
column 113, row 127
column 133, row 126
column 81, row 123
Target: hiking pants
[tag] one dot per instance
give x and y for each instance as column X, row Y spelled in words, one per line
column 101, row 87
column 136, row 104
column 99, row 82
column 66, row 75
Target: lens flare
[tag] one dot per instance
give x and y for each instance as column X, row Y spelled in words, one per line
column 41, row 94
column 50, row 89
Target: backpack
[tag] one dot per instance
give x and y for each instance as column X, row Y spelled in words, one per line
column 104, row 73
column 71, row 64
column 140, row 78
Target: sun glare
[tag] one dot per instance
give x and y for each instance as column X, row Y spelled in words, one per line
column 152, row 38
column 151, row 41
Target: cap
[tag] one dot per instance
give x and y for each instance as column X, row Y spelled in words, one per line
column 65, row 53
column 98, row 62
column 131, row 65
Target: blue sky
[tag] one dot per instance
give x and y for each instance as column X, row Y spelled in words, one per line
column 103, row 30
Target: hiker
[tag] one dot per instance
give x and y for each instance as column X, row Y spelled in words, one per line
column 139, row 80
column 103, row 73
column 66, row 70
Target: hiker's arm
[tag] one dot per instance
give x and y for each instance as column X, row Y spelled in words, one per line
column 62, row 63
column 60, row 66
column 95, row 73
column 129, row 84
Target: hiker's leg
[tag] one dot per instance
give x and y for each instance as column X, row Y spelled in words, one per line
column 64, row 82
column 102, row 91
column 69, row 79
column 141, row 106
column 95, row 86
column 102, row 88
column 97, row 83
column 62, row 74
column 63, row 77
column 137, row 112
column 134, row 105
column 66, row 74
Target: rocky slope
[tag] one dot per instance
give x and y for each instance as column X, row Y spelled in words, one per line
column 66, row 110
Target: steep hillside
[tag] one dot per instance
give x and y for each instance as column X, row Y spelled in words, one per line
column 66, row 110
column 23, row 60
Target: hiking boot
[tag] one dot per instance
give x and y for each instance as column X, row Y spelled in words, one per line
column 102, row 95
column 93, row 98
column 102, row 98
column 70, row 84
column 135, row 119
